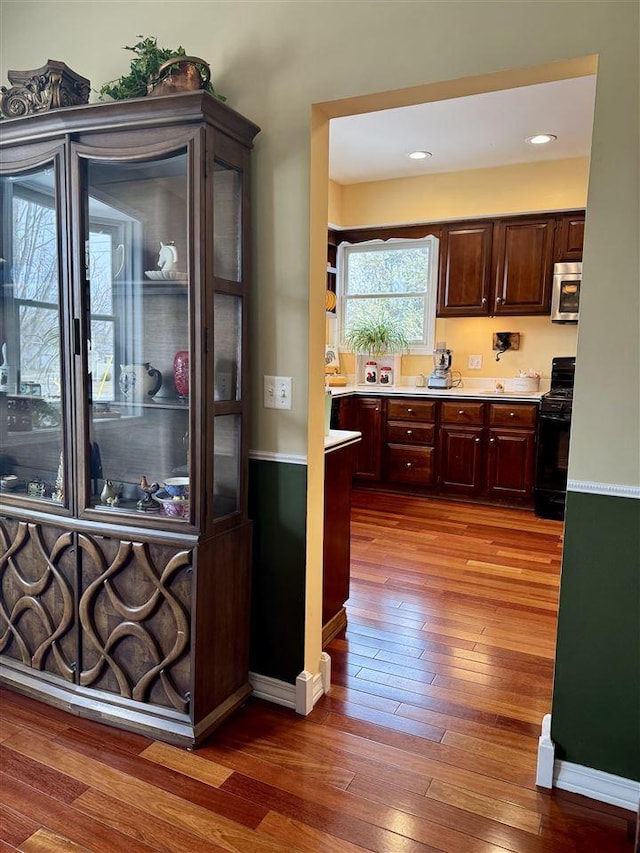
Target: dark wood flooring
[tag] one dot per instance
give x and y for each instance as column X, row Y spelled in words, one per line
column 426, row 742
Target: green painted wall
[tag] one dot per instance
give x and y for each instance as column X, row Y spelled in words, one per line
column 596, row 700
column 277, row 506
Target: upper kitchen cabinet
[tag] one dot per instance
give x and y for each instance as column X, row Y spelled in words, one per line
column 504, row 266
column 123, row 410
column 569, row 237
column 465, row 269
column 523, row 259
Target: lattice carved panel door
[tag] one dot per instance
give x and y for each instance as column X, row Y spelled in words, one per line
column 37, row 596
column 135, row 620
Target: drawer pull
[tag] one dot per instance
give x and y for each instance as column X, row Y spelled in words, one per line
column 408, row 464
column 461, row 412
column 491, row 440
column 477, row 440
column 409, row 411
column 409, row 432
column 512, row 414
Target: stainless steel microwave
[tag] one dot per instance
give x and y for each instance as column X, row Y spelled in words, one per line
column 565, row 293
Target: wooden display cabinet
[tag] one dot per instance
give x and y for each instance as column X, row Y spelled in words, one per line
column 121, row 600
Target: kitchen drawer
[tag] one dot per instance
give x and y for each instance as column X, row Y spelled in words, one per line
column 462, row 413
column 411, row 410
column 409, row 433
column 411, row 464
column 518, row 415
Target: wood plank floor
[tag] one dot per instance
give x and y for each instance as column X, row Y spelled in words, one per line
column 426, row 742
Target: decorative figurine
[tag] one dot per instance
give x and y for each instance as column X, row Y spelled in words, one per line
column 147, row 503
column 110, row 494
column 168, row 257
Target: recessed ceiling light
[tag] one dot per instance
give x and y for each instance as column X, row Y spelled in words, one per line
column 419, row 155
column 541, row 139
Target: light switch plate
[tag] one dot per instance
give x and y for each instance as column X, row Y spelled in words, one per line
column 277, row 392
column 474, row 362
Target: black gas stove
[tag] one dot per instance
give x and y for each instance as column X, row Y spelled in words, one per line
column 554, row 423
column 557, row 402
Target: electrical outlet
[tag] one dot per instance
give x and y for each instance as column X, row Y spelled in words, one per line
column 475, row 362
column 277, row 392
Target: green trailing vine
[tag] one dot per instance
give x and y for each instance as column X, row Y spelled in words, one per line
column 143, row 71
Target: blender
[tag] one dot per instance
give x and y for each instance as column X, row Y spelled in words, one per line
column 441, row 376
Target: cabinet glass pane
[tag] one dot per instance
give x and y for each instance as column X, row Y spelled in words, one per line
column 227, row 349
column 227, row 222
column 226, row 470
column 31, row 388
column 136, row 244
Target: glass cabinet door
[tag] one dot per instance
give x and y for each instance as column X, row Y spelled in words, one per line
column 137, row 293
column 228, row 332
column 32, row 392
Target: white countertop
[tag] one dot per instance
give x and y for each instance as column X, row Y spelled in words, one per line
column 438, row 393
column 340, row 438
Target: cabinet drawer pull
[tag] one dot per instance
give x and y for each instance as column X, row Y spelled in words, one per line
column 409, row 411
column 512, row 414
column 461, row 412
column 491, row 440
column 477, row 441
column 408, row 464
column 409, row 432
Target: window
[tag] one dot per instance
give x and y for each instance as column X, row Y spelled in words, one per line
column 392, row 278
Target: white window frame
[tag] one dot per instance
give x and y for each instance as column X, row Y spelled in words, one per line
column 425, row 347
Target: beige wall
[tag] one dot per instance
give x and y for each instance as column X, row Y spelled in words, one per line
column 522, row 188
column 274, row 60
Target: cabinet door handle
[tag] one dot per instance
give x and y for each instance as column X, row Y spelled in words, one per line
column 409, row 432
column 408, row 464
column 499, row 300
column 484, row 300
column 512, row 414
column 491, row 440
column 477, row 441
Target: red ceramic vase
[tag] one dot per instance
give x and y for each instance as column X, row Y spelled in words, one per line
column 181, row 372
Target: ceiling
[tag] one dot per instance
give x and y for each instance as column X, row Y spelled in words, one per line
column 474, row 132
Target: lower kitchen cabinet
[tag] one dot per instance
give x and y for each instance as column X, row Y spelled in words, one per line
column 364, row 415
column 456, row 447
column 510, row 463
column 460, row 451
column 338, row 465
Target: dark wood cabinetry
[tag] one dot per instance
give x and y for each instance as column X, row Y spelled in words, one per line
column 137, row 599
column 460, row 447
column 338, row 467
column 364, row 415
column 569, row 238
column 410, row 435
column 511, row 450
column 523, row 263
column 465, row 269
column 464, row 447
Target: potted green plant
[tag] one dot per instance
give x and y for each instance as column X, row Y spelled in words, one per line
column 376, row 337
column 373, row 338
column 149, row 67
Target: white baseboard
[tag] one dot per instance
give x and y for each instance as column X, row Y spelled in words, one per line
column 301, row 696
column 596, row 784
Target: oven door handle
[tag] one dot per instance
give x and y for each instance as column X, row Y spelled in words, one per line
column 561, row 418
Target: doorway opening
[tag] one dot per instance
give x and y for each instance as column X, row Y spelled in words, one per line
column 376, row 204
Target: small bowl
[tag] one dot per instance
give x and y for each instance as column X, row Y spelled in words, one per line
column 177, row 487
column 8, row 482
column 174, row 507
